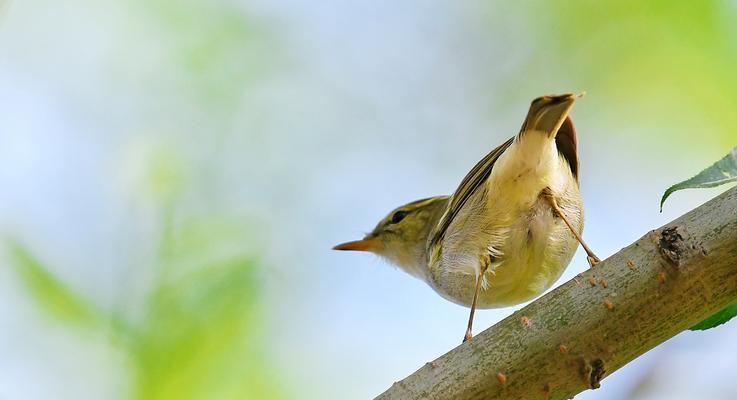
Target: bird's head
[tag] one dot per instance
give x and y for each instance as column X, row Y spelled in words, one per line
column 401, row 237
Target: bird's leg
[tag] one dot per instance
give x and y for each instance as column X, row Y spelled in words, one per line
column 591, row 257
column 484, row 266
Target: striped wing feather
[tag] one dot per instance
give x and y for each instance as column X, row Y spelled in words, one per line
column 470, row 184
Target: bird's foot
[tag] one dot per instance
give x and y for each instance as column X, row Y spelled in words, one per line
column 593, row 260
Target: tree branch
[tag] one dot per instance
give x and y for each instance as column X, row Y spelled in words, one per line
column 570, row 339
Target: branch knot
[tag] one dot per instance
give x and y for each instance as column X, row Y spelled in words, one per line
column 671, row 245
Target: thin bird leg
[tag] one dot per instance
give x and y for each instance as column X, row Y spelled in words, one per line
column 479, row 279
column 591, row 257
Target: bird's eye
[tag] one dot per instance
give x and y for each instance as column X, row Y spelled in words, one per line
column 398, row 216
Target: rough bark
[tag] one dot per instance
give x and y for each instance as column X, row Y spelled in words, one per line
column 573, row 337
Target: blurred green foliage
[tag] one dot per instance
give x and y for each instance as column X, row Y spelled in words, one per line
column 197, row 338
column 50, row 293
column 197, row 334
column 210, row 48
column 667, row 65
column 165, row 178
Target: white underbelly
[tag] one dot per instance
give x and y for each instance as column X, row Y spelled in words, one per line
column 539, row 248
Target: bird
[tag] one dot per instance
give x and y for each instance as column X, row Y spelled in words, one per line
column 508, row 231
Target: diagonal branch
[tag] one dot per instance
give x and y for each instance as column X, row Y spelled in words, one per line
column 570, row 339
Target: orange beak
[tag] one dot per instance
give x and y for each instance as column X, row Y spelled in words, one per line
column 357, row 245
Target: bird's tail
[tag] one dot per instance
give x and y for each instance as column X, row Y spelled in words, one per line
column 547, row 114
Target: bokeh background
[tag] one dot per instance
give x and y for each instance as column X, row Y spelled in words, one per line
column 175, row 173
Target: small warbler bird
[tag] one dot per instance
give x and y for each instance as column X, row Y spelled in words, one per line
column 508, row 231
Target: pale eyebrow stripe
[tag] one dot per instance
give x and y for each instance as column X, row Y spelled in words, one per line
column 421, row 203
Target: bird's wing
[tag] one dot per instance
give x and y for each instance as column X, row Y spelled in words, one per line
column 470, row 184
column 566, row 142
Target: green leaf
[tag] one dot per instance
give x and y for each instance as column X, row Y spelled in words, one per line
column 717, row 319
column 721, row 172
column 47, row 290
